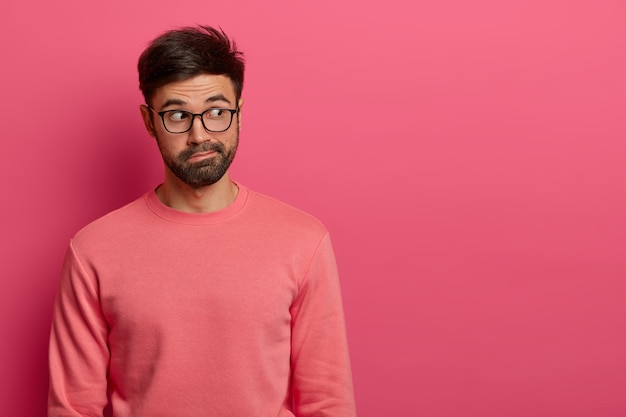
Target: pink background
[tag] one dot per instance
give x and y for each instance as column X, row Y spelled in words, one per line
column 468, row 158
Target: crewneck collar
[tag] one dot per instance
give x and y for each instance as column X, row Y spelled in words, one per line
column 200, row 219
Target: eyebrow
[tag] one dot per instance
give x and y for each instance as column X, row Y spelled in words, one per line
column 217, row 97
column 179, row 102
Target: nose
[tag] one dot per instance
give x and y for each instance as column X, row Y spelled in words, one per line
column 198, row 134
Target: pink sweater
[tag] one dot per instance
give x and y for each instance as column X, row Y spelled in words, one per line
column 232, row 313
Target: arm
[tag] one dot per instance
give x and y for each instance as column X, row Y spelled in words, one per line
column 78, row 355
column 322, row 380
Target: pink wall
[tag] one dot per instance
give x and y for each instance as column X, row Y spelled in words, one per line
column 467, row 156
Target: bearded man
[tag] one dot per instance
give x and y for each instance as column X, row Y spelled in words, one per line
column 202, row 297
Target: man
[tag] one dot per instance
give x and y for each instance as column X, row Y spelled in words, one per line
column 201, row 298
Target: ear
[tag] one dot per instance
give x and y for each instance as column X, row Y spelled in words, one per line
column 147, row 119
column 239, row 105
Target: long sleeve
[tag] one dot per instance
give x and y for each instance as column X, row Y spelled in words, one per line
column 230, row 313
column 78, row 355
column 322, row 380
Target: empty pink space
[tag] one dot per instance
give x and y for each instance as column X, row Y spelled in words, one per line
column 467, row 157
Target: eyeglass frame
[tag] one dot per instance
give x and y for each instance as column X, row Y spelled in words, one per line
column 193, row 118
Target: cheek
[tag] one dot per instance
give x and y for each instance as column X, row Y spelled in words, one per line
column 167, row 145
column 233, row 138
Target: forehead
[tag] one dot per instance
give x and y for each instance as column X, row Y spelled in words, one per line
column 196, row 90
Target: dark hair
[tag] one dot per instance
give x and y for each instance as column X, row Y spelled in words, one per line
column 183, row 53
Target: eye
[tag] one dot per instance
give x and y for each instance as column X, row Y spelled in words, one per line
column 215, row 113
column 177, row 115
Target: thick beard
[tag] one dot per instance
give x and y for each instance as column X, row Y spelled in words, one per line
column 203, row 173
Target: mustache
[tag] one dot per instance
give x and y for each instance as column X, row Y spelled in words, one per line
column 203, row 147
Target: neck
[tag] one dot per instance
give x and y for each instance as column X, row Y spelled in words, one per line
column 180, row 196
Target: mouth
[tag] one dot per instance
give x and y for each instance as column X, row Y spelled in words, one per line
column 199, row 156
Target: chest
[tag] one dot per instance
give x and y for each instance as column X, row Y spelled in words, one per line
column 199, row 287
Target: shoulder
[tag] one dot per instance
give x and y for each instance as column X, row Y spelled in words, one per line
column 280, row 213
column 113, row 223
column 284, row 229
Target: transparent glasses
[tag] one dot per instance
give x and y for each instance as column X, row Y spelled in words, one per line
column 181, row 121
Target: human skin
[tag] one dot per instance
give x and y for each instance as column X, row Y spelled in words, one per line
column 196, row 95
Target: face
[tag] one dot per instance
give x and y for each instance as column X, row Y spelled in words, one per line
column 198, row 158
